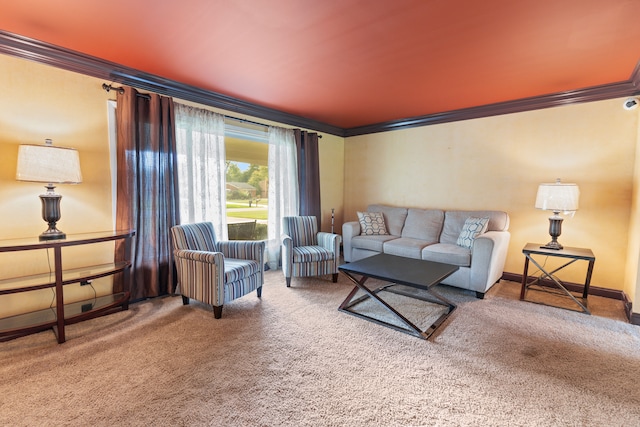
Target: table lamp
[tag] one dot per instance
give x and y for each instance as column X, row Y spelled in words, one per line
column 557, row 197
column 51, row 165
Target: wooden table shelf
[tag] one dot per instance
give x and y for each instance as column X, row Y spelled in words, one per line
column 59, row 315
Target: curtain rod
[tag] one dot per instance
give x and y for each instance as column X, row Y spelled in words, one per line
column 120, row 90
column 108, row 88
column 237, row 119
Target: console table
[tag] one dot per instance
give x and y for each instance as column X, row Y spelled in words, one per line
column 62, row 314
column 570, row 255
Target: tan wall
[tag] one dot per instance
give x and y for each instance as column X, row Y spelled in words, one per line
column 41, row 102
column 632, row 282
column 332, row 181
column 498, row 162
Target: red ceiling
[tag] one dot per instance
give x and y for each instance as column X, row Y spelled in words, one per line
column 351, row 63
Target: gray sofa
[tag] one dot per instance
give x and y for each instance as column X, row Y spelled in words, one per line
column 432, row 234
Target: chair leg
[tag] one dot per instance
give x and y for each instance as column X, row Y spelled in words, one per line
column 185, row 300
column 288, row 282
column 217, row 311
column 335, row 277
column 259, row 291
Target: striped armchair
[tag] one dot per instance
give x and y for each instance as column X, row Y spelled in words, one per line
column 215, row 272
column 307, row 252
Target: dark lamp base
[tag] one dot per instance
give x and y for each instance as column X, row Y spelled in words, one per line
column 52, row 234
column 555, row 229
column 51, row 214
column 552, row 245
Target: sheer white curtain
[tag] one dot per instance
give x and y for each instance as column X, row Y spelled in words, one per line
column 201, row 167
column 283, row 187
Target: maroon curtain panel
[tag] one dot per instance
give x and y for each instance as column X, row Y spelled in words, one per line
column 308, row 174
column 147, row 189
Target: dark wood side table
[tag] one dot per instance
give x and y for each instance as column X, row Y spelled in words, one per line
column 571, row 255
column 61, row 314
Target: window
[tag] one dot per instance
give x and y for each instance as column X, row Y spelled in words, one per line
column 247, row 180
column 204, row 135
column 260, row 149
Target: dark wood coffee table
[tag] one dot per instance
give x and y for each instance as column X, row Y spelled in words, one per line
column 414, row 273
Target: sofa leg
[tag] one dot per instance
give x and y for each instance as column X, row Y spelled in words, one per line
column 185, row 300
column 217, row 311
column 479, row 295
column 335, row 278
column 288, row 282
column 259, row 291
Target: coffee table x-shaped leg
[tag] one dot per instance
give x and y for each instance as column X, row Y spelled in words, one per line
column 410, row 328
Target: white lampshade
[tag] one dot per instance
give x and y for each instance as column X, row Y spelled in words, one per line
column 558, row 197
column 47, row 163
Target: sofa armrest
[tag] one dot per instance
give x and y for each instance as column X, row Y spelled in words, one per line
column 330, row 242
column 349, row 230
column 488, row 256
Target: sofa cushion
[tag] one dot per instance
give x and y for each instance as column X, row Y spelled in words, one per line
column 371, row 243
column 372, row 223
column 454, row 221
column 405, row 247
column 447, row 253
column 393, row 217
column 423, row 224
column 471, row 229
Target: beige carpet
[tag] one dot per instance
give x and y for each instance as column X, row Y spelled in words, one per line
column 292, row 359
